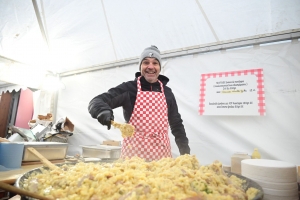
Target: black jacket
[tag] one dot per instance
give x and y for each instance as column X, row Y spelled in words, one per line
column 125, row 95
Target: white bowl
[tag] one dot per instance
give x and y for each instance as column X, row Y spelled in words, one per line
column 272, row 197
column 269, row 179
column 287, row 176
column 268, row 163
column 271, row 169
column 276, row 186
column 281, row 193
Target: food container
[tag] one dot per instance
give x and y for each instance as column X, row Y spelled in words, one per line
column 50, row 150
column 236, row 161
column 101, row 151
column 226, row 168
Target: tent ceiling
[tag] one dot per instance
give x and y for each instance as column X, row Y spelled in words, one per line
column 65, row 36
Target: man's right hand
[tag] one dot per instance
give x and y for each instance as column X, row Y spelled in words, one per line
column 105, row 118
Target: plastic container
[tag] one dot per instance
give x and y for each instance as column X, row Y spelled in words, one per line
column 10, row 155
column 227, row 168
column 236, row 160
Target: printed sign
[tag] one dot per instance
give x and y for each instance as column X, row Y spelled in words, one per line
column 232, row 93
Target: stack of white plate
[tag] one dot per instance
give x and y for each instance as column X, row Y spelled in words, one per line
column 277, row 178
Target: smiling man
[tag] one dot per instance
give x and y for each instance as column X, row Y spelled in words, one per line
column 150, row 106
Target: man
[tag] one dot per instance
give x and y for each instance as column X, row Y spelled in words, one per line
column 149, row 105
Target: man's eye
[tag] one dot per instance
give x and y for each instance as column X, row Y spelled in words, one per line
column 155, row 63
column 146, row 62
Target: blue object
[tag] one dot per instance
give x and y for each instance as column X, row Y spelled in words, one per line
column 11, row 155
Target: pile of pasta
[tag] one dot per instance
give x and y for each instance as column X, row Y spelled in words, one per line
column 169, row 178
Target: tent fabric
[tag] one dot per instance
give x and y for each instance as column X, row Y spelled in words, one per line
column 16, row 73
column 82, row 34
column 276, row 135
column 12, row 88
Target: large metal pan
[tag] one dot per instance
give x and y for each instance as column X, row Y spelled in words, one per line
column 247, row 184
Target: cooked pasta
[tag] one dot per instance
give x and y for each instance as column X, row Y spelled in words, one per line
column 131, row 179
column 127, row 130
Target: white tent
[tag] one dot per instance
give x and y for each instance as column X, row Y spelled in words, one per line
column 94, row 45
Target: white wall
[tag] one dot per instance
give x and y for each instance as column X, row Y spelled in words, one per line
column 276, row 135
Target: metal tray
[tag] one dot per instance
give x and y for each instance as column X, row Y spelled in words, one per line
column 101, row 151
column 50, row 150
column 247, row 184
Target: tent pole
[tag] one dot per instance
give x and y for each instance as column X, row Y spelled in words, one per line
column 54, row 105
column 207, row 20
column 38, row 16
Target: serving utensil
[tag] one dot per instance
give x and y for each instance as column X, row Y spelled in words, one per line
column 10, row 188
column 44, row 160
column 127, row 130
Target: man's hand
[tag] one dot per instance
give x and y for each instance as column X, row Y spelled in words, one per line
column 105, row 118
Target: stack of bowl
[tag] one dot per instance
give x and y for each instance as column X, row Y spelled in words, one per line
column 278, row 179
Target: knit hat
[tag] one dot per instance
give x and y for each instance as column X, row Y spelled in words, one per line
column 150, row 52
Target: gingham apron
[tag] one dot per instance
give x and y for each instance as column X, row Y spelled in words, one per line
column 150, row 119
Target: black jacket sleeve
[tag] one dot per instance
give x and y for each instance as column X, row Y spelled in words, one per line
column 113, row 98
column 176, row 125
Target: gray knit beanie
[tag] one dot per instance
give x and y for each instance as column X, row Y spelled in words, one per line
column 150, row 52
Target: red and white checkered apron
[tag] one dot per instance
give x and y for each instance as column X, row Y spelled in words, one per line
column 150, row 119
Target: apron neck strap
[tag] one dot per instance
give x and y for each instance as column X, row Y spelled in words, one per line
column 139, row 85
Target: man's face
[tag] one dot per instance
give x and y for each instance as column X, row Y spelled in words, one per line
column 150, row 69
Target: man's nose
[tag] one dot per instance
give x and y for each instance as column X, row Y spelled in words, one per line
column 150, row 65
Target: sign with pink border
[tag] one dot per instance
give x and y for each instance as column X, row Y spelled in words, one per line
column 232, row 93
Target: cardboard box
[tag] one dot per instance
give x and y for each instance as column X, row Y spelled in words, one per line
column 68, row 125
column 45, row 117
column 64, row 125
